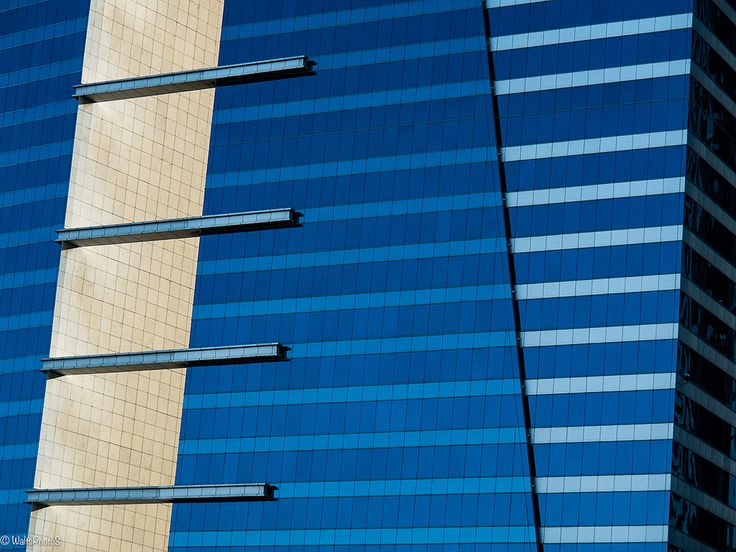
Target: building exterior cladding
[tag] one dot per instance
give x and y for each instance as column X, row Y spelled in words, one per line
column 510, row 305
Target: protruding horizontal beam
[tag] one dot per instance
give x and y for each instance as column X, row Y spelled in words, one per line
column 177, row 228
column 184, row 81
column 40, row 498
column 162, row 360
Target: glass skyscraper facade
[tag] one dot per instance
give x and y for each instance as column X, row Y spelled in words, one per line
column 510, row 307
column 41, row 49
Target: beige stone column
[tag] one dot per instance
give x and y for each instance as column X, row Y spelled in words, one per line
column 134, row 160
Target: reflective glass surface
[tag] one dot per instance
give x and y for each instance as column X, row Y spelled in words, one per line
column 399, row 422
column 41, row 48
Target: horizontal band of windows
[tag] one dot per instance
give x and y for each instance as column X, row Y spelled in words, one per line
column 663, row 46
column 406, row 487
column 601, row 384
column 199, row 79
column 493, row 4
column 698, row 479
column 400, row 207
column 162, row 360
column 404, row 53
column 701, row 524
column 446, row 342
column 349, row 102
column 599, row 286
column 45, row 111
column 573, row 79
column 424, row 536
column 10, row 5
column 20, row 408
column 712, row 375
column 191, row 227
column 341, row 18
column 40, row 72
column 596, row 145
column 27, row 320
column 604, row 483
column 36, row 153
column 18, row 452
column 352, row 167
column 592, row 32
column 150, row 495
column 601, row 434
column 45, row 32
column 606, row 334
column 350, row 441
column 605, row 534
column 354, row 301
column 19, row 364
column 350, row 256
column 594, row 192
column 602, row 238
column 31, row 195
column 357, row 393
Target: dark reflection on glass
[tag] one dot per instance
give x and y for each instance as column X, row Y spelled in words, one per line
column 701, row 524
column 705, row 425
column 706, row 476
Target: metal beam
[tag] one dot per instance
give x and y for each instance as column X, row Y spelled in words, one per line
column 41, row 498
column 191, row 227
column 163, row 360
column 198, row 79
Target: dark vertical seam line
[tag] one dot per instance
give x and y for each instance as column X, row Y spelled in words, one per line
column 512, row 279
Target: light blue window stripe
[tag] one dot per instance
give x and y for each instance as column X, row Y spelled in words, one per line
column 21, row 408
column 33, row 194
column 353, row 167
column 12, row 496
column 601, row 238
column 46, row 32
column 390, row 345
column 353, row 301
column 592, row 32
column 340, row 441
column 332, row 537
column 595, row 192
column 403, row 207
column 28, row 320
column 29, row 278
column 421, row 50
column 601, row 384
column 593, row 77
column 605, row 534
column 36, row 153
column 352, row 101
column 605, row 334
column 600, row 286
column 602, row 433
column 7, row 5
column 17, row 365
column 604, row 483
column 344, row 17
column 18, row 452
column 37, row 113
column 605, row 144
column 350, row 256
column 329, row 395
column 491, row 4
column 25, row 237
column 405, row 487
column 40, row 72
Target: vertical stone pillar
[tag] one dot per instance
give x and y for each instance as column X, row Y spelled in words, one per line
column 134, row 160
